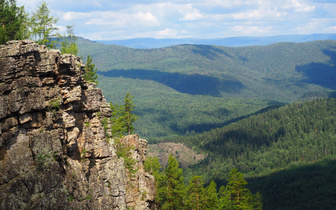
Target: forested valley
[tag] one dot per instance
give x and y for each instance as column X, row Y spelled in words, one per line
column 264, row 110
column 263, row 116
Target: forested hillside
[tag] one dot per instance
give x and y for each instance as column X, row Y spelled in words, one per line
column 184, row 89
column 291, row 137
column 282, row 72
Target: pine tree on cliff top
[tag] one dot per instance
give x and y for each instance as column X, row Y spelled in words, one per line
column 90, row 74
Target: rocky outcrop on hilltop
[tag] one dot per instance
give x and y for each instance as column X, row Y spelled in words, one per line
column 53, row 149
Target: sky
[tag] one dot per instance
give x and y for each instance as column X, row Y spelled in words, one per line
column 127, row 19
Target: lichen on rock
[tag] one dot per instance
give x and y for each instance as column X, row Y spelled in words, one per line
column 53, row 150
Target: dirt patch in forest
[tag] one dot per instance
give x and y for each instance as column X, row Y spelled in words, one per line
column 183, row 154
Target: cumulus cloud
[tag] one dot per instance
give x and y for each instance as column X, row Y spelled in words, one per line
column 250, row 30
column 318, row 25
column 298, row 6
column 194, row 15
column 118, row 19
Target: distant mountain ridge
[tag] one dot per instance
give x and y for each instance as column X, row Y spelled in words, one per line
column 207, row 86
column 148, row 43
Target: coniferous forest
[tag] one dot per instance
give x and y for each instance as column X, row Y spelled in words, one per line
column 261, row 110
column 264, row 117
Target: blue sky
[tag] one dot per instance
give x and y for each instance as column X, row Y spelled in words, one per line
column 125, row 19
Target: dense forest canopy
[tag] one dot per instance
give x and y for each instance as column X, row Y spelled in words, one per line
column 261, row 146
column 188, row 89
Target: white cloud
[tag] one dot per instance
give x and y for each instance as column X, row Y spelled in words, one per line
column 195, row 15
column 119, row 19
column 258, row 14
column 298, row 6
column 250, row 30
column 146, row 18
column 166, row 33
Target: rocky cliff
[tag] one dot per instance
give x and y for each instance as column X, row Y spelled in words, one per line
column 53, row 149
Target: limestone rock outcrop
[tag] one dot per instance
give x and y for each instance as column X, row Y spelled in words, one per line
column 140, row 183
column 53, row 149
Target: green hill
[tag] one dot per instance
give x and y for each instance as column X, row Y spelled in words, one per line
column 194, row 88
column 282, row 72
column 275, row 139
column 276, row 150
column 306, row 186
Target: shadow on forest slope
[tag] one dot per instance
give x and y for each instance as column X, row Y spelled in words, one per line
column 200, row 128
column 208, row 51
column 320, row 73
column 310, row 186
column 194, row 84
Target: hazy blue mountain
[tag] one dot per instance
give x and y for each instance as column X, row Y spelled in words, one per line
column 147, row 43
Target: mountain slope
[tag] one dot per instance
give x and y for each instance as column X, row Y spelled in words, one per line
column 282, row 72
column 206, row 76
column 260, row 144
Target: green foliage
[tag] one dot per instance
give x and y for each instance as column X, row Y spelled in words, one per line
column 70, row 198
column 270, row 141
column 302, row 186
column 281, row 72
column 195, row 194
column 168, row 113
column 42, row 26
column 284, row 138
column 152, row 165
column 68, row 44
column 129, row 117
column 236, row 196
column 122, row 118
column 124, row 151
column 171, row 192
column 42, row 158
column 13, row 21
column 83, row 153
column 90, row 74
column 211, row 198
column 55, row 103
column 117, row 123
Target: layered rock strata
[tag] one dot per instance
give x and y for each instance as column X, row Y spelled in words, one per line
column 53, row 149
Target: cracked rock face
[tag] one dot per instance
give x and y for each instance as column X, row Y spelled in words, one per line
column 53, row 150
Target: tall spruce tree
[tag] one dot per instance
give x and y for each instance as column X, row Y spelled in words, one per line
column 236, row 196
column 172, row 192
column 117, row 125
column 122, row 118
column 195, row 194
column 90, row 74
column 129, row 117
column 211, row 196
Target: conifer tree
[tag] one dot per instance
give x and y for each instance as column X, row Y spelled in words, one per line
column 211, row 196
column 173, row 192
column 90, row 74
column 122, row 118
column 116, row 120
column 236, row 196
column 153, row 166
column 129, row 117
column 43, row 26
column 195, row 194
column 68, row 44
